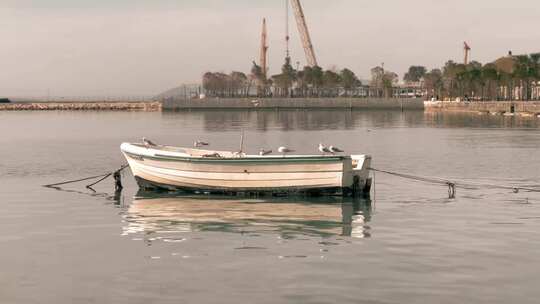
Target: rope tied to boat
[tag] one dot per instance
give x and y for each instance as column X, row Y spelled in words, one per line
column 452, row 185
column 116, row 175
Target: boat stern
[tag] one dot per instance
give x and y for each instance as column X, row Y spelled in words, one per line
column 357, row 180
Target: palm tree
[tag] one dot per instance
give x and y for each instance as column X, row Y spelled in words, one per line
column 317, row 78
column 238, row 82
column 288, row 75
column 433, row 82
column 258, row 75
column 415, row 74
column 523, row 74
column 349, row 80
column 491, row 77
column 476, row 82
column 331, row 81
column 535, row 66
column 450, row 74
column 209, row 84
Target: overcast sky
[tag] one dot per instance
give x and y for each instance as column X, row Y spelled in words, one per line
column 138, row 47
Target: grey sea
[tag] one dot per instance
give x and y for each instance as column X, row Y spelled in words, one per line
column 407, row 243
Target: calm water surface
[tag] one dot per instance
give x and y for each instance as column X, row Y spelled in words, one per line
column 408, row 244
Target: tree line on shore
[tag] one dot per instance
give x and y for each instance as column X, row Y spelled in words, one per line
column 308, row 82
column 508, row 78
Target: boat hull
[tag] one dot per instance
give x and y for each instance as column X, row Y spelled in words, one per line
column 157, row 169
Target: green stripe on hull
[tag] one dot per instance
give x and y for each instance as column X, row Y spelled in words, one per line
column 244, row 160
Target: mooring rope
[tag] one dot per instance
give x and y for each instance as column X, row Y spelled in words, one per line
column 456, row 184
column 101, row 178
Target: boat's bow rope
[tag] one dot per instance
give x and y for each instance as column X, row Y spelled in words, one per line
column 115, row 174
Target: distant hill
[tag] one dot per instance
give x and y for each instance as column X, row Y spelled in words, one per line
column 187, row 90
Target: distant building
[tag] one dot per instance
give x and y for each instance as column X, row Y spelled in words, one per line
column 507, row 65
column 414, row 84
column 4, row 100
column 405, row 91
column 410, row 89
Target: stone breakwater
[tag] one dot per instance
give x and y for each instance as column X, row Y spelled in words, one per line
column 81, row 106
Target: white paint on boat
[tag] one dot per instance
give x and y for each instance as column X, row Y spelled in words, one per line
column 186, row 168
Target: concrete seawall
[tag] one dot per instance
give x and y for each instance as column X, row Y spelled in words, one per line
column 295, row 103
column 525, row 107
column 82, row 106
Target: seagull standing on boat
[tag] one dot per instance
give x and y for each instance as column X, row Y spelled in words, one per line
column 264, row 152
column 324, row 149
column 199, row 143
column 284, row 150
column 148, row 143
column 334, row 150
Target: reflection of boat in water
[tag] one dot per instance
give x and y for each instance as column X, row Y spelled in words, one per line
column 172, row 168
column 316, row 217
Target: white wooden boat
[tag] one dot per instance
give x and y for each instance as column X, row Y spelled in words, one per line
column 196, row 170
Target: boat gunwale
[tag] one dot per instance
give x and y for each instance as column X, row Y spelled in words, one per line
column 249, row 158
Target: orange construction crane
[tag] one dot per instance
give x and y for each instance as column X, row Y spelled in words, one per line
column 467, row 50
column 264, row 50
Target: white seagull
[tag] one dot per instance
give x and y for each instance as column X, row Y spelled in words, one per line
column 148, row 143
column 264, row 152
column 284, row 150
column 199, row 143
column 335, row 150
column 324, row 149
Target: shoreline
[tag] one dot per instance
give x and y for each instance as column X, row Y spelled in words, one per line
column 253, row 103
column 505, row 108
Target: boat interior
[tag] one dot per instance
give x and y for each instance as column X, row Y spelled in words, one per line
column 192, row 152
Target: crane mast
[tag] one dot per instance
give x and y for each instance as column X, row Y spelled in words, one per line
column 467, row 50
column 304, row 33
column 287, row 37
column 264, row 50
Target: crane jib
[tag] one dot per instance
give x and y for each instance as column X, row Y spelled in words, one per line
column 304, row 33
